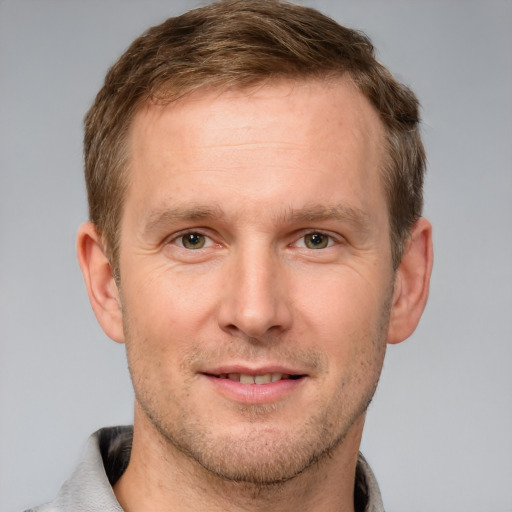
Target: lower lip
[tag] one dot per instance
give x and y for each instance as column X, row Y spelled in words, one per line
column 255, row 393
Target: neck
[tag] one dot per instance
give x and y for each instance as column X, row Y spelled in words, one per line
column 160, row 477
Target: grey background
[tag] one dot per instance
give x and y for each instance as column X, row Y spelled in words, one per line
column 439, row 432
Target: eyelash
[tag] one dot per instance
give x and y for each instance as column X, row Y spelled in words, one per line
column 331, row 240
column 181, row 236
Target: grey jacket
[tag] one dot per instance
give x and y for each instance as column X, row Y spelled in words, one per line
column 89, row 489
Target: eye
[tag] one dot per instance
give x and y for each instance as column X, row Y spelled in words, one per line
column 192, row 241
column 315, row 240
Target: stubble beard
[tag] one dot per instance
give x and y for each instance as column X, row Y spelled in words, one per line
column 258, row 458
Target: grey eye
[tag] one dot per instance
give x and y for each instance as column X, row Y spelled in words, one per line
column 316, row 241
column 193, row 241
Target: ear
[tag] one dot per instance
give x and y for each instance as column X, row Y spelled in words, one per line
column 412, row 283
column 99, row 281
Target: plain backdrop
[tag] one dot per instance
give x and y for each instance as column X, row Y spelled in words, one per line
column 439, row 432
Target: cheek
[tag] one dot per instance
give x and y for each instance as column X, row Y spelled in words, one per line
column 348, row 322
column 167, row 300
column 343, row 306
column 164, row 314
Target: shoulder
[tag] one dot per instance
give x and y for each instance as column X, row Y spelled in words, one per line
column 89, row 488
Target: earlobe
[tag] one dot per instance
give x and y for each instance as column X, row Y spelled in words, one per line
column 412, row 283
column 99, row 281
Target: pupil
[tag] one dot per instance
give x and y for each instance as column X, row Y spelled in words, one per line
column 316, row 241
column 193, row 241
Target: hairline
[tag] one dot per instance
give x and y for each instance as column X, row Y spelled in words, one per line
column 164, row 96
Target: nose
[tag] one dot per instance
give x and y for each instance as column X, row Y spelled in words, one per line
column 255, row 301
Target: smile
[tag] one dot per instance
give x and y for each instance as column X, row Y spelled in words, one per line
column 253, row 386
column 265, row 378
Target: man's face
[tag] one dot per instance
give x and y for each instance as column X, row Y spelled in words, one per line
column 256, row 274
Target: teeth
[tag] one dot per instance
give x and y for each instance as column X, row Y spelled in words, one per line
column 243, row 378
column 246, row 379
column 263, row 379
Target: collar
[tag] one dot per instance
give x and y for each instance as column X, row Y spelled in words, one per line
column 106, row 458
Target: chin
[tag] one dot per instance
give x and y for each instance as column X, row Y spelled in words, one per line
column 259, row 458
column 257, row 454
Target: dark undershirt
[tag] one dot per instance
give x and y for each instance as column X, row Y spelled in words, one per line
column 116, row 446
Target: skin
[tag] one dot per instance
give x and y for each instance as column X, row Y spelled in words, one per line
column 279, row 188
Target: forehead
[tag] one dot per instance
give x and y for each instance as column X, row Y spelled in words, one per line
column 304, row 133
column 337, row 99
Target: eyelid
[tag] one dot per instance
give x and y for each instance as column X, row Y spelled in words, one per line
column 334, row 238
column 173, row 239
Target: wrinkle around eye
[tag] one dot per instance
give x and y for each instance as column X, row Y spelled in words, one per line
column 175, row 248
column 180, row 240
column 332, row 240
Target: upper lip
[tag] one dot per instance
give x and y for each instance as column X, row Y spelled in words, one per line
column 251, row 370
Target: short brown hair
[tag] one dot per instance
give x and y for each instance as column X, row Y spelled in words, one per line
column 239, row 43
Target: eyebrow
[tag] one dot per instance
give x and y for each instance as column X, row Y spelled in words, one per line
column 316, row 213
column 352, row 215
column 163, row 217
column 358, row 218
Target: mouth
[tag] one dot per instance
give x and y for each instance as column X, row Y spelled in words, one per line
column 255, row 386
column 259, row 379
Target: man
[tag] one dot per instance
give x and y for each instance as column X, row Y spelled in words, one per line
column 255, row 239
